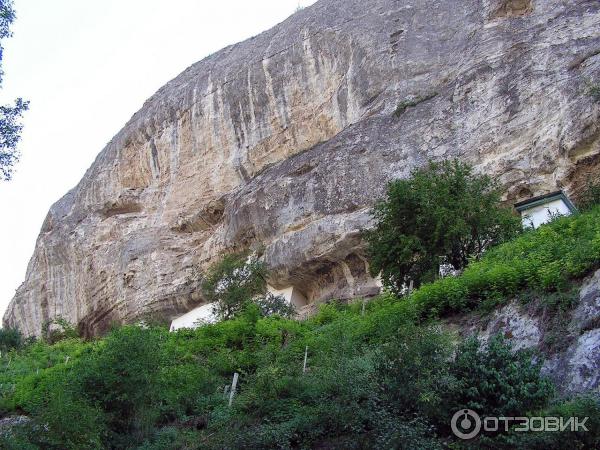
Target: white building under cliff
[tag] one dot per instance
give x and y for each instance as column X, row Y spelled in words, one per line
column 204, row 314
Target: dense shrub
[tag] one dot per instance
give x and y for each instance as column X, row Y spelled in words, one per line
column 383, row 379
column 366, row 386
column 590, row 196
column 495, row 381
column 10, row 339
column 544, row 260
column 233, row 282
column 443, row 212
column 580, row 407
column 121, row 376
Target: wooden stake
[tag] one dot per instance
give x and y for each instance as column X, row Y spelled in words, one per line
column 233, row 386
column 305, row 359
column 362, row 313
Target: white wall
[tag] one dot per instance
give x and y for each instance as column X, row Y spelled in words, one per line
column 538, row 215
column 204, row 313
column 190, row 319
column 291, row 295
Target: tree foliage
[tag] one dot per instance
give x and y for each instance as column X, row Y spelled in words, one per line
column 10, row 126
column 443, row 212
column 495, row 380
column 232, row 282
column 590, row 196
column 238, row 280
column 10, row 339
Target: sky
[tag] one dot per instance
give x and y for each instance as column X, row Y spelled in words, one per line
column 86, row 67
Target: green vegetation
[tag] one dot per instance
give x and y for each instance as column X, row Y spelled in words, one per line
column 443, row 211
column 411, row 103
column 58, row 329
column 385, row 377
column 237, row 280
column 593, row 90
column 545, row 260
column 147, row 388
column 10, row 339
column 10, row 127
column 590, row 196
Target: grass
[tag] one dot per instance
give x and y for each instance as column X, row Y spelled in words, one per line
column 168, row 390
column 545, row 260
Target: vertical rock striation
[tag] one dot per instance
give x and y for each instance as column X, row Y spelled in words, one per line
column 283, row 142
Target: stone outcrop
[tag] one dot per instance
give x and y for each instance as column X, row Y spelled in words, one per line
column 569, row 343
column 282, row 144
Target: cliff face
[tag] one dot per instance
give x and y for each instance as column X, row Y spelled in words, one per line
column 283, row 142
column 569, row 351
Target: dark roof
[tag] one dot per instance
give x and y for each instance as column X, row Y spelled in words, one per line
column 542, row 199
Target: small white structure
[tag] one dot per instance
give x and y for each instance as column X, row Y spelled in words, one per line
column 291, row 295
column 192, row 319
column 204, row 314
column 539, row 210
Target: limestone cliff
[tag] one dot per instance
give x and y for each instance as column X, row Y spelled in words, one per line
column 283, row 142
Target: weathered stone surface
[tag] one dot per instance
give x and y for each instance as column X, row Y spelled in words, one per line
column 574, row 365
column 7, row 424
column 283, row 142
column 521, row 329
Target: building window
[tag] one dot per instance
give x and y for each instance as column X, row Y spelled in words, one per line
column 539, row 210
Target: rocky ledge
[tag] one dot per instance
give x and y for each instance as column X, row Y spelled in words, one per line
column 282, row 144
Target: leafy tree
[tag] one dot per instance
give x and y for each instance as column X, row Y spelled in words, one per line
column 590, row 196
column 122, row 378
column 494, row 380
column 10, row 127
column 271, row 305
column 237, row 280
column 10, row 338
column 443, row 212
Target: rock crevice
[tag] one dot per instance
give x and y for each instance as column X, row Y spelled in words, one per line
column 284, row 142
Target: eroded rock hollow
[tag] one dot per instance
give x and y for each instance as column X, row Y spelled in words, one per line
column 283, row 142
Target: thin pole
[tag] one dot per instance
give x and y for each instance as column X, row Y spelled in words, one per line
column 305, row 359
column 233, row 386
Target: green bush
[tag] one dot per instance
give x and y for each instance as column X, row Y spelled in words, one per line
column 581, row 407
column 373, row 380
column 121, row 375
column 495, row 381
column 388, row 378
column 443, row 212
column 545, row 260
column 590, row 196
column 10, row 339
